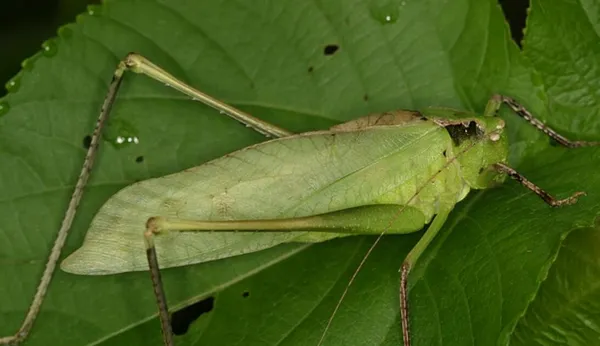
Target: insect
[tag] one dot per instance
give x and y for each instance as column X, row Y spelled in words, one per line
column 421, row 165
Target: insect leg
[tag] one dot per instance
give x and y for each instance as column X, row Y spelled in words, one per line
column 152, row 228
column 497, row 100
column 409, row 263
column 549, row 199
column 138, row 64
column 371, row 219
column 61, row 237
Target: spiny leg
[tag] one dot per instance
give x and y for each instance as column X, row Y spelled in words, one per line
column 548, row 198
column 61, row 237
column 497, row 100
column 152, row 228
column 409, row 263
column 492, row 108
column 369, row 219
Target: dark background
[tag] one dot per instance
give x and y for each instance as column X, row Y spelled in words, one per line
column 25, row 24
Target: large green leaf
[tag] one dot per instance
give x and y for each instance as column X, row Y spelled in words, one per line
column 268, row 58
column 565, row 310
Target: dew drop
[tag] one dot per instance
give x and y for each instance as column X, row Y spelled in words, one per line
column 65, row 32
column 94, row 10
column 49, row 48
column 28, row 63
column 385, row 11
column 120, row 133
column 4, row 108
column 13, row 84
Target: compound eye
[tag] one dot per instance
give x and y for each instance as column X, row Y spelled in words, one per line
column 500, row 125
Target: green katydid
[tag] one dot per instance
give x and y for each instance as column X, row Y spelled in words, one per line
column 385, row 173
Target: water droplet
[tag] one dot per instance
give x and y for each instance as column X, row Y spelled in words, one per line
column 94, row 10
column 4, row 108
column 49, row 48
column 28, row 63
column 385, row 11
column 120, row 133
column 65, row 32
column 13, row 84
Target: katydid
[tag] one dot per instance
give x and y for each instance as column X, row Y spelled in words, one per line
column 393, row 172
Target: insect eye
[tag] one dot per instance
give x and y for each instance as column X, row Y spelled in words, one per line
column 500, row 125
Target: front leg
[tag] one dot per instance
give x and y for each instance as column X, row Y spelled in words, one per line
column 497, row 100
column 548, row 198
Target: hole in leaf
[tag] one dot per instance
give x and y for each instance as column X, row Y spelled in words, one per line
column 182, row 319
column 139, row 159
column 246, row 294
column 515, row 13
column 330, row 49
column 87, row 141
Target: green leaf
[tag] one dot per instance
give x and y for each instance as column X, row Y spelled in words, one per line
column 565, row 310
column 562, row 43
column 268, row 58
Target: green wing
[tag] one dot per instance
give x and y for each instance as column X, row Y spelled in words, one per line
column 296, row 176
